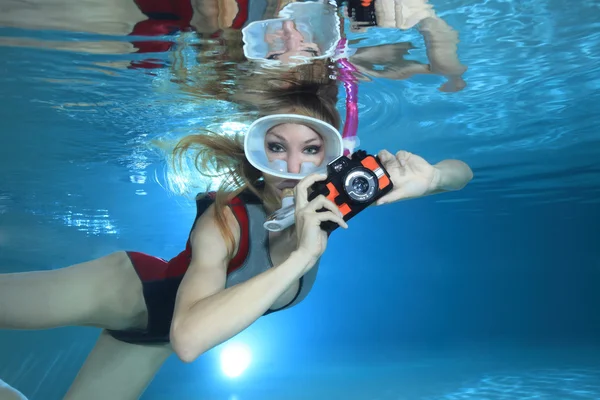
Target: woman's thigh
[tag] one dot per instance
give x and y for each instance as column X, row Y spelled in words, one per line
column 117, row 370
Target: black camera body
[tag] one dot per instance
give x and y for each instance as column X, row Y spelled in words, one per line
column 362, row 11
column 352, row 184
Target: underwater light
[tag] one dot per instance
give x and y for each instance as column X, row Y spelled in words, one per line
column 235, row 359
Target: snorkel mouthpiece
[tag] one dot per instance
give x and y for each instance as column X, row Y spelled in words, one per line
column 284, row 217
column 288, row 198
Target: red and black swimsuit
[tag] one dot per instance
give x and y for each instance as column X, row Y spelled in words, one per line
column 161, row 278
column 168, row 17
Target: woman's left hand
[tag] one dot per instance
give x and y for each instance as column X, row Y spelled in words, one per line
column 411, row 175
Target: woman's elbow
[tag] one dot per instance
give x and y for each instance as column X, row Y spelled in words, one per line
column 468, row 173
column 185, row 344
column 463, row 179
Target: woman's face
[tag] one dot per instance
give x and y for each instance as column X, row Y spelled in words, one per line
column 294, row 144
column 289, row 42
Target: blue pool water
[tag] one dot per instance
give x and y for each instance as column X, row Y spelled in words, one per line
column 486, row 293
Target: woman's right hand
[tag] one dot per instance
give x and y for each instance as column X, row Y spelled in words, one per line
column 312, row 240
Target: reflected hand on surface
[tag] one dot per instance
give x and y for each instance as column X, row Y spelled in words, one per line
column 396, row 67
column 455, row 84
column 391, row 57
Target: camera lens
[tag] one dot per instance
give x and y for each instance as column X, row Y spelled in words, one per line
column 360, row 185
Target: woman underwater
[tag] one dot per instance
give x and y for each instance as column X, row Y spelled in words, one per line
column 222, row 282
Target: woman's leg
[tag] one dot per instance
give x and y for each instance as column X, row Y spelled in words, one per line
column 105, row 293
column 117, row 370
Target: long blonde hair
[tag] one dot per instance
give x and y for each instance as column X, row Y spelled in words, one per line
column 225, row 154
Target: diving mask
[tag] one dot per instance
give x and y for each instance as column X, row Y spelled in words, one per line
column 254, row 145
column 316, row 22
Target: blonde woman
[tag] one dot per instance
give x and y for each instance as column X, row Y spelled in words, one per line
column 231, row 272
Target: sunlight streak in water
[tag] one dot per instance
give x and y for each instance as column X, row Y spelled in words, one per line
column 96, row 222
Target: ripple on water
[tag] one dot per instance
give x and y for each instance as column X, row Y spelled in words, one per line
column 547, row 384
column 532, row 88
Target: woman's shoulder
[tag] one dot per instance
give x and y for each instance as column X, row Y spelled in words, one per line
column 216, row 218
column 230, row 197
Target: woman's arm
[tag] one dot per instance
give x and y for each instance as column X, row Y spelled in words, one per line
column 414, row 177
column 451, row 175
column 206, row 314
column 441, row 46
column 441, row 40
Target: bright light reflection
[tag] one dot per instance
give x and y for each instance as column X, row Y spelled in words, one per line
column 235, row 359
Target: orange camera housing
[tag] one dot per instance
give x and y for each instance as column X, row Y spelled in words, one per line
column 353, row 184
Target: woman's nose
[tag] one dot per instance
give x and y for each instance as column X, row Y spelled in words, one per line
column 294, row 164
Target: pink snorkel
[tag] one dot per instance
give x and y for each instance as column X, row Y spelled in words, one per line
column 284, row 217
column 350, row 83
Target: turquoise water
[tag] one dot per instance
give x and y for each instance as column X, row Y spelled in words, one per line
column 487, row 293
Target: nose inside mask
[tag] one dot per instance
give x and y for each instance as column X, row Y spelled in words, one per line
column 281, row 166
column 317, row 22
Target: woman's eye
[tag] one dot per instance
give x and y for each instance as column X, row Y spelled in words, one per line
column 313, row 149
column 275, row 147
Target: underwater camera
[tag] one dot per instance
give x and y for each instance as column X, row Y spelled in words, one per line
column 352, row 184
column 361, row 11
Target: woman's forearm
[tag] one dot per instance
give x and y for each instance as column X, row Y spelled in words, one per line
column 452, row 175
column 217, row 318
column 441, row 46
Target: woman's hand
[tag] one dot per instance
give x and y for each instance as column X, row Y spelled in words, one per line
column 411, row 175
column 454, row 84
column 312, row 240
